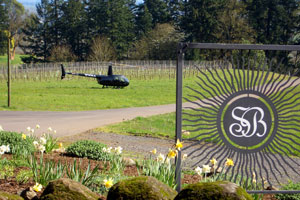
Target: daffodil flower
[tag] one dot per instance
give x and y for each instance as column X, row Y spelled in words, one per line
column 43, row 140
column 36, row 144
column 49, row 129
column 153, row 151
column 198, row 170
column 1, row 129
column 41, row 148
column 213, row 161
column 28, row 128
column 32, row 131
column 37, row 187
column 37, row 126
column 118, row 150
column 160, row 158
column 206, row 168
column 184, row 156
column 108, row 183
column 184, row 132
column 229, row 162
column 172, row 153
column 24, row 136
column 178, row 145
column 60, row 145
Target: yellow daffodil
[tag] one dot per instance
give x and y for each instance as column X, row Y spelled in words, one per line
column 229, row 162
column 206, row 168
column 24, row 136
column 178, row 144
column 213, row 161
column 153, row 151
column 37, row 187
column 108, row 183
column 172, row 153
column 60, row 145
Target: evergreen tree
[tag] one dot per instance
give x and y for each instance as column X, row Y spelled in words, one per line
column 200, row 21
column 159, row 11
column 38, row 41
column 275, row 21
column 143, row 20
column 3, row 27
column 74, row 31
column 120, row 26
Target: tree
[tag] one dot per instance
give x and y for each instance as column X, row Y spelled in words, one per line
column 159, row 11
column 275, row 21
column 3, row 27
column 74, row 31
column 120, row 26
column 159, row 43
column 200, row 21
column 38, row 40
column 143, row 20
column 15, row 12
column 233, row 26
column 102, row 50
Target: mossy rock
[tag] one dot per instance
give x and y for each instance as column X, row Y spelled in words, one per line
column 8, row 196
column 141, row 188
column 67, row 189
column 222, row 190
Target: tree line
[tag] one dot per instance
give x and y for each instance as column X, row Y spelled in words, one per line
column 103, row 30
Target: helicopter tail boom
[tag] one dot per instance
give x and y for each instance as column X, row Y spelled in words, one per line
column 63, row 73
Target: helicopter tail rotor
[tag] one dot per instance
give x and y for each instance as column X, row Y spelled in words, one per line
column 63, row 72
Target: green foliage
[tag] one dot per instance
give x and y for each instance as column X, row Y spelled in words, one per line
column 51, row 143
column 24, row 176
column 163, row 171
column 18, row 145
column 45, row 171
column 6, row 171
column 75, row 173
column 289, row 186
column 89, row 149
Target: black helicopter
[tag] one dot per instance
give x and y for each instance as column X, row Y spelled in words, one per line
column 118, row 81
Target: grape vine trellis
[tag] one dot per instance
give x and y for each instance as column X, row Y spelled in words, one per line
column 247, row 108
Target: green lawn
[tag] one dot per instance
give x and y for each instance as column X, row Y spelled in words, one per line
column 86, row 94
column 17, row 60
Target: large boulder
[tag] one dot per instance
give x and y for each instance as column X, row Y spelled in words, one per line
column 141, row 188
column 67, row 189
column 8, row 196
column 222, row 190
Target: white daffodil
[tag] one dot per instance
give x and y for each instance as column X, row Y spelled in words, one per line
column 198, row 170
column 206, row 168
column 160, row 158
column 36, row 144
column 54, row 131
column 41, row 148
column 2, row 151
column 1, row 129
column 7, row 148
column 37, row 126
column 184, row 157
column 118, row 150
column 50, row 129
column 28, row 128
column 43, row 140
column 37, row 187
column 32, row 131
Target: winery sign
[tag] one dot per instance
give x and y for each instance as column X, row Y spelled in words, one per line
column 243, row 105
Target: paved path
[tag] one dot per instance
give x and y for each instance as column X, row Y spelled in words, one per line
column 70, row 123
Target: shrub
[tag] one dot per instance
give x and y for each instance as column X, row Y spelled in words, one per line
column 90, row 149
column 17, row 144
column 23, row 176
column 289, row 186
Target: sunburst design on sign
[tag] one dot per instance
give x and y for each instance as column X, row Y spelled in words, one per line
column 249, row 112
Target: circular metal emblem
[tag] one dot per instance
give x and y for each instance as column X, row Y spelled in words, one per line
column 247, row 122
